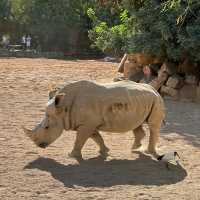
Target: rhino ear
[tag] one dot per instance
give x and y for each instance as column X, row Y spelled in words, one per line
column 52, row 90
column 59, row 99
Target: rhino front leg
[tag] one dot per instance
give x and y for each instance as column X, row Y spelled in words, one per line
column 139, row 135
column 81, row 137
column 100, row 142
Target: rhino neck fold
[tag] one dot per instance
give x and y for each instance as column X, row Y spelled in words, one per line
column 69, row 107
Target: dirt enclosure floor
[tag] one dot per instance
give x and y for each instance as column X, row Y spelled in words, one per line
column 28, row 172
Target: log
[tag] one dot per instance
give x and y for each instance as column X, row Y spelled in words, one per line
column 121, row 64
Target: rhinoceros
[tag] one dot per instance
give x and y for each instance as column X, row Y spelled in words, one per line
column 88, row 107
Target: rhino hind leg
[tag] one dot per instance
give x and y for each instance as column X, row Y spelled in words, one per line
column 139, row 134
column 100, row 142
column 154, row 122
column 153, row 140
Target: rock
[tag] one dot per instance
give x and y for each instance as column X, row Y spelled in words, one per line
column 137, row 77
column 160, row 80
column 155, row 83
column 169, row 91
column 164, row 72
column 188, row 67
column 162, row 77
column 110, row 59
column 175, row 82
column 190, row 79
column 147, row 79
column 144, row 59
column 188, row 92
column 198, row 94
column 131, row 68
column 121, row 78
column 168, row 67
column 154, row 68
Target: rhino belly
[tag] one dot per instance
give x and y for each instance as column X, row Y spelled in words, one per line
column 122, row 122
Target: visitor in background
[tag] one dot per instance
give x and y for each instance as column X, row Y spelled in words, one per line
column 28, row 42
column 5, row 41
column 23, row 41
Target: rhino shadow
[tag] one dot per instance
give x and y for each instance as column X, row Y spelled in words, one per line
column 100, row 173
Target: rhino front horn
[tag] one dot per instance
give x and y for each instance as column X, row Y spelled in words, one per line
column 28, row 132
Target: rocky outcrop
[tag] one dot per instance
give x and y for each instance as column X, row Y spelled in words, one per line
column 178, row 81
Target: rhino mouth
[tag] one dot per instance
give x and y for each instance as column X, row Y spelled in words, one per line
column 43, row 145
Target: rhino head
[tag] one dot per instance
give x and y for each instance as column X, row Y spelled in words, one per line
column 51, row 127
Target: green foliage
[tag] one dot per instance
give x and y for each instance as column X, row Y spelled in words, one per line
column 5, row 10
column 55, row 25
column 113, row 39
column 50, row 22
column 155, row 34
column 168, row 28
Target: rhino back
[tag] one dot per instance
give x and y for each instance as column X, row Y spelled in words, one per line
column 131, row 105
column 115, row 107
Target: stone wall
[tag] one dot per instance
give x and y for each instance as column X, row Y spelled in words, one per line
column 29, row 54
column 164, row 76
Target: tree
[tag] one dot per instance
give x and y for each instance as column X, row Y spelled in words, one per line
column 56, row 25
column 5, row 10
column 167, row 28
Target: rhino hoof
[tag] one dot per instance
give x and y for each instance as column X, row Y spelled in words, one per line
column 136, row 146
column 153, row 153
column 77, row 156
column 104, row 152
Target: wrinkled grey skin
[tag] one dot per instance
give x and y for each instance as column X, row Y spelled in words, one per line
column 88, row 108
column 50, row 128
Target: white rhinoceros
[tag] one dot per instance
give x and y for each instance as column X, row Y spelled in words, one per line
column 88, row 108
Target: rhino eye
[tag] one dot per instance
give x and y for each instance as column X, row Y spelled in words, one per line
column 46, row 127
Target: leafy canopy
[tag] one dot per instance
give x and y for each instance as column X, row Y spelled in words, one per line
column 168, row 28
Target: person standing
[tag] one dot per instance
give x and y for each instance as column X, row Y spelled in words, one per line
column 23, row 41
column 28, row 42
column 5, row 41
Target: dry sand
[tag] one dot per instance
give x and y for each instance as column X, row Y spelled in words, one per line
column 27, row 172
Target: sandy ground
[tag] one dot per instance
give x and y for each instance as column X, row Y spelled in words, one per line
column 27, row 172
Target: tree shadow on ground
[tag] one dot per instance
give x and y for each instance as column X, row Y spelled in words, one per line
column 100, row 173
column 183, row 118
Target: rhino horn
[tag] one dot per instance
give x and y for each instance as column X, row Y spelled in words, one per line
column 28, row 132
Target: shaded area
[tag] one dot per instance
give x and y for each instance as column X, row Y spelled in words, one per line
column 183, row 118
column 99, row 173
